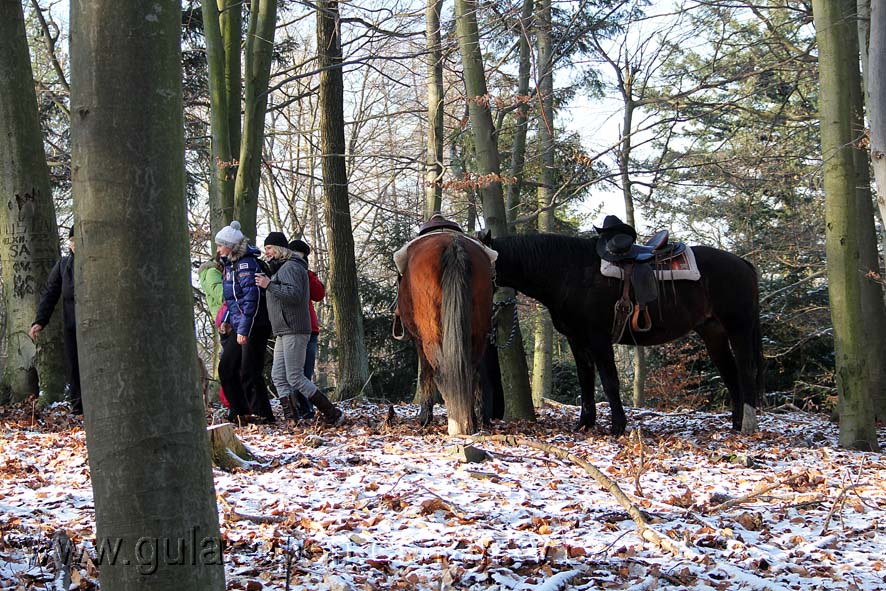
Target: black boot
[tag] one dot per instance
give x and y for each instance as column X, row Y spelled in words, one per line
column 331, row 415
column 303, row 408
column 288, row 411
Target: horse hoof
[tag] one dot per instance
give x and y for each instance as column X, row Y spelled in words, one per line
column 618, row 427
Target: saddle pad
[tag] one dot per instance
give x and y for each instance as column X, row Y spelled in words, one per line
column 400, row 254
column 681, row 267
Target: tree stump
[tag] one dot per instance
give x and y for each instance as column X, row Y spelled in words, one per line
column 228, row 452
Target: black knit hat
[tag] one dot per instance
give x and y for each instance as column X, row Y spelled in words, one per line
column 300, row 246
column 276, row 239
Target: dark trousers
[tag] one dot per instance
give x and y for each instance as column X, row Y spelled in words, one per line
column 72, row 365
column 241, row 372
column 311, row 356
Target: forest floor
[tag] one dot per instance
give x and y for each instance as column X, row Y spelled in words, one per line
column 380, row 504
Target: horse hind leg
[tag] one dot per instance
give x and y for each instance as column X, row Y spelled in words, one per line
column 716, row 341
column 427, row 390
column 748, row 378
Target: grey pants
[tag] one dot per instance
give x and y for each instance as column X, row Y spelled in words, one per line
column 288, row 371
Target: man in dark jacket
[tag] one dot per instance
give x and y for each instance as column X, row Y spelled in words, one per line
column 61, row 284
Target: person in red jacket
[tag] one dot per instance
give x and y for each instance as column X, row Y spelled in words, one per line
column 318, row 292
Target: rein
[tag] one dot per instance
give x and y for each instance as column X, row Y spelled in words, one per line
column 492, row 336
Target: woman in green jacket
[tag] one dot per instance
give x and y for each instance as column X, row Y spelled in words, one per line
column 210, row 274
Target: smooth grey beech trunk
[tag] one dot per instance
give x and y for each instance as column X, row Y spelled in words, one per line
column 28, row 232
column 873, row 307
column 221, row 179
column 514, row 375
column 257, row 72
column 353, row 362
column 145, row 428
column 521, row 124
column 838, row 56
column 874, row 59
column 542, row 361
column 434, row 156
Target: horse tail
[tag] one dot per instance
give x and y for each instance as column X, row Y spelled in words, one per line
column 757, row 339
column 454, row 369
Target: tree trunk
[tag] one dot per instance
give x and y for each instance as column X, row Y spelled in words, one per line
column 221, row 180
column 434, row 163
column 518, row 150
column 145, row 427
column 845, row 280
column 863, row 26
column 542, row 358
column 624, row 160
column 353, row 362
column 542, row 378
column 231, row 23
column 515, row 379
column 873, row 72
column 259, row 46
column 28, row 232
column 873, row 307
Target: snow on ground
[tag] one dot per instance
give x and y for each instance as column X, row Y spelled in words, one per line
column 374, row 505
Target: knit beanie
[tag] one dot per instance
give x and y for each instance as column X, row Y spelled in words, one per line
column 300, row 246
column 276, row 239
column 229, row 236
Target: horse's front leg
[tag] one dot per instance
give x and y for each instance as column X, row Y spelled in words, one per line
column 584, row 366
column 604, row 359
column 427, row 389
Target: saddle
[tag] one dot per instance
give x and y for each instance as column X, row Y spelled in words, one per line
column 638, row 263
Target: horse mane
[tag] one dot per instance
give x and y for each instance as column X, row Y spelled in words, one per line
column 551, row 252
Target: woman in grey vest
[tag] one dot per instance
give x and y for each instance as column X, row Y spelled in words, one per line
column 287, row 294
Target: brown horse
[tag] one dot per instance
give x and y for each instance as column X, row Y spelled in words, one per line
column 563, row 273
column 445, row 303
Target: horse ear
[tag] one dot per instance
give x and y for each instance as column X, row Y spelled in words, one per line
column 485, row 236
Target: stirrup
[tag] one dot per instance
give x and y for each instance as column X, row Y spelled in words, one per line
column 636, row 319
column 397, row 330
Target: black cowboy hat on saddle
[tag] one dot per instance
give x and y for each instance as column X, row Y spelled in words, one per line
column 617, row 242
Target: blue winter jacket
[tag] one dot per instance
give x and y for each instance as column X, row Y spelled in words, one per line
column 246, row 301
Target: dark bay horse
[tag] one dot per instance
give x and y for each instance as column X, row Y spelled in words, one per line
column 563, row 273
column 445, row 303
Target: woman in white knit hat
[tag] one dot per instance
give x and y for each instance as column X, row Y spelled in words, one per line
column 241, row 369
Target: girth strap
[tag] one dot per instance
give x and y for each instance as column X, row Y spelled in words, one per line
column 623, row 306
